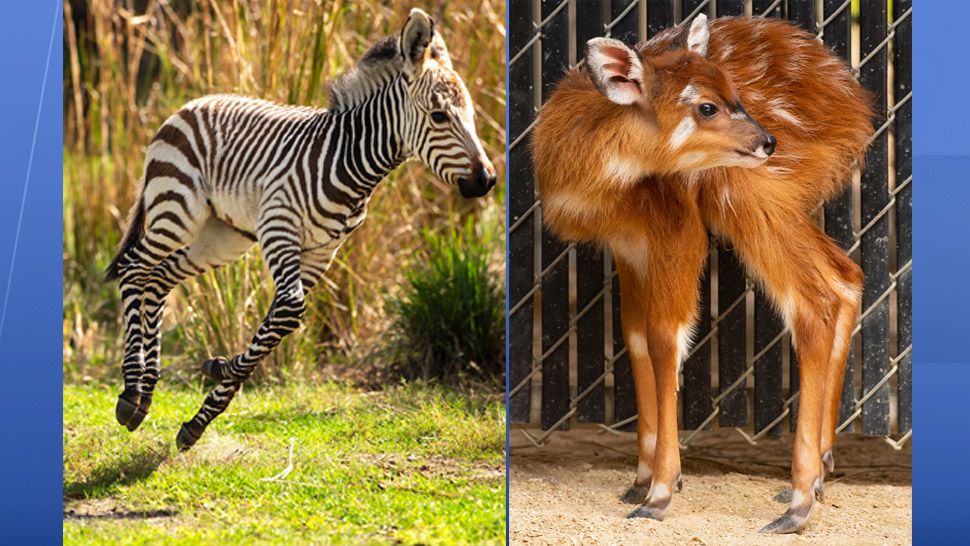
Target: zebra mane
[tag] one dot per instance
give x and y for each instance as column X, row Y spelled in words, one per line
column 382, row 62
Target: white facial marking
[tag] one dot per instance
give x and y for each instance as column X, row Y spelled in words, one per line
column 682, row 132
column 740, row 116
column 638, row 345
column 689, row 94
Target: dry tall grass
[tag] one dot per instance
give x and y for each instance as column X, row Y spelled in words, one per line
column 130, row 64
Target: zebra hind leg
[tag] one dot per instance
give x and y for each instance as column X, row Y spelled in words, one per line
column 216, row 245
column 285, row 315
column 173, row 219
column 164, row 278
column 142, row 314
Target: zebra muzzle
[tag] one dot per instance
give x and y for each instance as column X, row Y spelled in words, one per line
column 479, row 183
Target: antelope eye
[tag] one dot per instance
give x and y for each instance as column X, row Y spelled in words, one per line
column 439, row 117
column 707, row 109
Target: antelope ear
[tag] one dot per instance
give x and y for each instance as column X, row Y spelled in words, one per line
column 698, row 35
column 416, row 35
column 615, row 69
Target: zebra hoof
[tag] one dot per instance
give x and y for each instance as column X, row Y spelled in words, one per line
column 140, row 412
column 127, row 410
column 188, row 435
column 216, row 368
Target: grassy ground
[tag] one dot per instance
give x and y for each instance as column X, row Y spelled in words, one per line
column 410, row 464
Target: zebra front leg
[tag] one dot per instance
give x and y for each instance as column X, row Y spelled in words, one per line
column 284, row 316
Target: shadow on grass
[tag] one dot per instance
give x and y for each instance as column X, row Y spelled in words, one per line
column 135, row 467
column 118, row 514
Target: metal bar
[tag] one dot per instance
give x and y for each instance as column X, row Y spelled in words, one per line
column 590, row 287
column 555, row 281
column 766, row 8
column 521, row 203
column 696, row 392
column 625, row 25
column 875, row 241
column 836, row 35
column 903, row 194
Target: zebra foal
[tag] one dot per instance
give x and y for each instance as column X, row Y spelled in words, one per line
column 226, row 172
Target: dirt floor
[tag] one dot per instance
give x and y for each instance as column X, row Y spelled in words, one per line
column 567, row 492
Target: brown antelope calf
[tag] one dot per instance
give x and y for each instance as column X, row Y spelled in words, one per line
column 641, row 150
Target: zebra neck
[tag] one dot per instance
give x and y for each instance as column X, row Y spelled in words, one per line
column 372, row 143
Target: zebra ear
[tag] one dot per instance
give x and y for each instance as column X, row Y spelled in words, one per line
column 415, row 37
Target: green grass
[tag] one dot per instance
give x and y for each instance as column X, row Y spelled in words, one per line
column 411, row 464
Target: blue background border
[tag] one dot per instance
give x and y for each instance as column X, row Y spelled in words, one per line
column 941, row 274
column 31, row 283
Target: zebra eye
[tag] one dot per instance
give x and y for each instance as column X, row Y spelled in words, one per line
column 707, row 109
column 439, row 117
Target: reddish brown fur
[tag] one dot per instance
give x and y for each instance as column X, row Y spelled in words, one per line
column 607, row 174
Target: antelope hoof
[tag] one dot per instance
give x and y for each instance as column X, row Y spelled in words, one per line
column 651, row 511
column 656, row 508
column 188, row 435
column 636, row 494
column 216, row 368
column 828, row 462
column 791, row 522
column 795, row 518
column 128, row 411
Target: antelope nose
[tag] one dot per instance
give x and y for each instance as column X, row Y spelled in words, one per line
column 769, row 144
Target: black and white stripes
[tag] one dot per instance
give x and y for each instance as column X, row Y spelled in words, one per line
column 227, row 171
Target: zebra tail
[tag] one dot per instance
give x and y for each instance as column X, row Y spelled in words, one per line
column 136, row 228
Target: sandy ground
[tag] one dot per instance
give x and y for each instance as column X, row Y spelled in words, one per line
column 568, row 492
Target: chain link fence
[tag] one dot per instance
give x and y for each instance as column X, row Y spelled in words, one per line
column 567, row 362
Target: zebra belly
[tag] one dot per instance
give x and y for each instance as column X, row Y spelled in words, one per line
column 239, row 212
